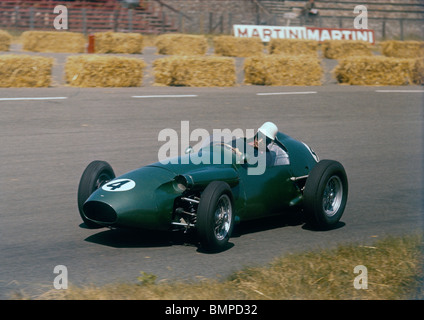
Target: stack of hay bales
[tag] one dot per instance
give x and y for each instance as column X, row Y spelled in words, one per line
column 103, row 71
column 336, row 49
column 281, row 70
column 231, row 46
column 25, row 71
column 195, row 71
column 181, row 44
column 376, row 70
column 118, row 42
column 53, row 41
column 5, row 40
column 293, row 47
column 402, row 49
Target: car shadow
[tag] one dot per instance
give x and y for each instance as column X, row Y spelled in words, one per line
column 291, row 218
column 140, row 238
column 309, row 227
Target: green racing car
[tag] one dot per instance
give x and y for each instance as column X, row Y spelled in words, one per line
column 209, row 190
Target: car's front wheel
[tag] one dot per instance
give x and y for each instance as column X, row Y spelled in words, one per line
column 215, row 216
column 94, row 176
column 325, row 194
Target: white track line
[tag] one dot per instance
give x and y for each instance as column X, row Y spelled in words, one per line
column 400, row 91
column 167, row 96
column 34, row 98
column 283, row 93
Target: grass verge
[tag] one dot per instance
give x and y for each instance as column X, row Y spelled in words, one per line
column 394, row 271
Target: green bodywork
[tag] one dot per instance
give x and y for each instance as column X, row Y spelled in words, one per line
column 150, row 204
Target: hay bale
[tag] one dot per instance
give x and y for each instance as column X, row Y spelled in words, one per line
column 402, row 49
column 53, row 41
column 376, row 70
column 230, row 46
column 195, row 71
column 336, row 49
column 418, row 71
column 293, row 47
column 103, row 71
column 181, row 44
column 164, row 71
column 118, row 42
column 282, row 70
column 25, row 71
column 5, row 40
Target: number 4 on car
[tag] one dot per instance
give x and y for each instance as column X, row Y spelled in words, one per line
column 208, row 197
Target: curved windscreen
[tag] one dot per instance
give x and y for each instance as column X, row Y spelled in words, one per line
column 223, row 139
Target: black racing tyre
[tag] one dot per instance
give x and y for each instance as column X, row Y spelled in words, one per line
column 325, row 194
column 215, row 216
column 94, row 176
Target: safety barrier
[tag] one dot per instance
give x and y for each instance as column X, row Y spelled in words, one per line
column 230, row 46
column 336, row 49
column 402, row 49
column 281, row 70
column 53, row 41
column 181, row 44
column 5, row 40
column 376, row 71
column 103, row 71
column 293, row 47
column 118, row 42
column 418, row 71
column 195, row 71
column 284, row 66
column 25, row 71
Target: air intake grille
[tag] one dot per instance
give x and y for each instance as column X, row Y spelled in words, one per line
column 100, row 212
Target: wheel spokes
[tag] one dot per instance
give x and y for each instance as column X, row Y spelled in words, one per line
column 332, row 197
column 222, row 217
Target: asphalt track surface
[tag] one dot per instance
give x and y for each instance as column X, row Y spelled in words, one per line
column 46, row 144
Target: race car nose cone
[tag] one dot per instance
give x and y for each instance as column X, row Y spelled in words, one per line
column 100, row 212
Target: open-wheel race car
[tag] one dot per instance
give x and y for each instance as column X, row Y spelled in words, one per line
column 199, row 191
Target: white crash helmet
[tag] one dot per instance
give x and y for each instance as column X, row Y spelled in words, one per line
column 269, row 129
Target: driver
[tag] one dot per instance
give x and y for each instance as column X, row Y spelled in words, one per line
column 278, row 156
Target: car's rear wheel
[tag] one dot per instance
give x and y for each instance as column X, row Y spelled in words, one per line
column 94, row 176
column 215, row 216
column 325, row 194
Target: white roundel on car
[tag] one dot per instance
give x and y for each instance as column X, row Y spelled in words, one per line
column 119, row 185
